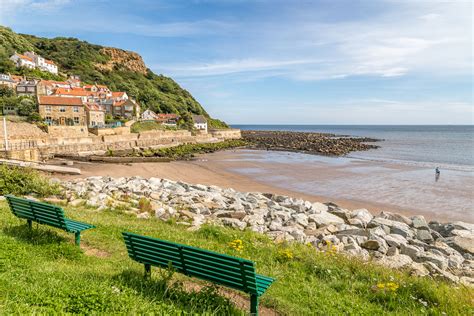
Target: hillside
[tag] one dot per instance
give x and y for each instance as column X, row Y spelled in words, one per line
column 119, row 69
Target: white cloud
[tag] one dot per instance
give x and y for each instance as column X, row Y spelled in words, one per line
column 9, row 8
column 409, row 37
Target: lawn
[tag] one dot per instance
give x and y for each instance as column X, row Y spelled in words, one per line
column 41, row 271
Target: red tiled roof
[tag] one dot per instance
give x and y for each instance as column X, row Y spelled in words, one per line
column 119, row 103
column 49, row 62
column 117, row 94
column 80, row 92
column 53, row 100
column 93, row 107
column 25, row 57
column 167, row 115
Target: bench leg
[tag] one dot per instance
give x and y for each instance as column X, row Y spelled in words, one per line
column 253, row 304
column 147, row 271
column 30, row 223
column 77, row 238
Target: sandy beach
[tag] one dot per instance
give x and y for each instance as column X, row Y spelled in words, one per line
column 350, row 183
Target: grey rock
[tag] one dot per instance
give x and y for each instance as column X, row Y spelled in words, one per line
column 395, row 240
column 462, row 244
column 419, row 222
column 324, row 219
column 362, row 215
column 395, row 217
column 411, row 251
column 445, row 275
column 371, row 244
column 396, row 261
column 424, row 235
column 233, row 222
column 318, row 208
column 340, row 212
column 439, row 261
column 301, row 219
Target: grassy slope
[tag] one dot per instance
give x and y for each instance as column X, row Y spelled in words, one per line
column 43, row 271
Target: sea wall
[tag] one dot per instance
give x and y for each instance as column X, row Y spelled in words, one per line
column 71, row 142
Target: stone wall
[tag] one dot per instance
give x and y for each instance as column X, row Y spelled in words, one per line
column 226, row 133
column 67, row 131
column 110, row 131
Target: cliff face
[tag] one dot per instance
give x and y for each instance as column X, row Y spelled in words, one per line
column 120, row 58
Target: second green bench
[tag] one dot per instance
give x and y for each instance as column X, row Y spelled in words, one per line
column 46, row 214
column 236, row 273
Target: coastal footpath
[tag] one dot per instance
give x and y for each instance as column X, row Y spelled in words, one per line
column 306, row 142
column 442, row 250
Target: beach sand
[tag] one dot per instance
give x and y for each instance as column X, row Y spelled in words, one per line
column 350, row 183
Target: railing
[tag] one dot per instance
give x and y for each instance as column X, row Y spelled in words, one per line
column 19, row 145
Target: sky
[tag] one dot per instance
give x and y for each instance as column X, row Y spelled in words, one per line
column 287, row 62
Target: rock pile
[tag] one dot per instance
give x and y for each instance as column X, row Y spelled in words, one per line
column 316, row 143
column 394, row 240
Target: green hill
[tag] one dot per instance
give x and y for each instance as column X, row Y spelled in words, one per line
column 118, row 69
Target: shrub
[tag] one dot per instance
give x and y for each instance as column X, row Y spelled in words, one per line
column 23, row 181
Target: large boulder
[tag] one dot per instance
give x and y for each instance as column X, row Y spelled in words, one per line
column 324, row 219
column 462, row 244
column 396, row 261
column 363, row 215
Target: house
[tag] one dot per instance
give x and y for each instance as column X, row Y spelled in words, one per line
column 62, row 111
column 200, row 122
column 169, row 119
column 32, row 61
column 149, row 115
column 73, row 92
column 74, row 81
column 17, row 79
column 128, row 109
column 6, row 80
column 42, row 63
column 23, row 61
column 48, row 87
column 26, row 87
column 119, row 96
column 95, row 115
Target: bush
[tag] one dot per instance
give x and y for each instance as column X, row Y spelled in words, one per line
column 23, row 181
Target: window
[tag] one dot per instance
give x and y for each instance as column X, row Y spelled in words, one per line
column 76, row 120
column 22, row 89
column 62, row 109
column 48, row 120
column 75, row 109
column 31, row 89
column 48, row 108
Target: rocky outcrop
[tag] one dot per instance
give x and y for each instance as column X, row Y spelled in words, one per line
column 122, row 59
column 397, row 241
column 311, row 143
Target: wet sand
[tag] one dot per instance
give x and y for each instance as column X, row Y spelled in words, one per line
column 350, row 183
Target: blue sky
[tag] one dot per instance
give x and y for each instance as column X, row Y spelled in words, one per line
column 287, row 62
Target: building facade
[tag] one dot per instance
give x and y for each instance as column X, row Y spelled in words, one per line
column 200, row 122
column 62, row 111
column 95, row 115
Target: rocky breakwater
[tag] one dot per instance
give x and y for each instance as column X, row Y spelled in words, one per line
column 425, row 248
column 312, row 143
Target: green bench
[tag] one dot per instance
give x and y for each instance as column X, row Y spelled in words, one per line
column 46, row 214
column 221, row 269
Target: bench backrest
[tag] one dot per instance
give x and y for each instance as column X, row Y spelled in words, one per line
column 42, row 213
column 226, row 270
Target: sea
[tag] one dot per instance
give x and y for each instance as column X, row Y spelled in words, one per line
column 443, row 146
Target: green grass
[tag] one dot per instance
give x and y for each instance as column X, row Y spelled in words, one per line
column 22, row 181
column 43, row 272
column 144, row 126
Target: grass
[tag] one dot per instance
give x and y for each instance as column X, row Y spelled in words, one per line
column 144, row 126
column 22, row 181
column 41, row 271
column 188, row 151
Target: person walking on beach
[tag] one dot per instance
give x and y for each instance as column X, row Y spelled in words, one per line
column 437, row 173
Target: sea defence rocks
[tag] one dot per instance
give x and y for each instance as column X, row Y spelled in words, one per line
column 436, row 249
column 312, row 143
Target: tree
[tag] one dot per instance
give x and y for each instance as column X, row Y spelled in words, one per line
column 26, row 107
column 186, row 121
column 6, row 91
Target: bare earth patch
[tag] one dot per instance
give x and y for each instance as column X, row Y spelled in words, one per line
column 240, row 301
column 94, row 252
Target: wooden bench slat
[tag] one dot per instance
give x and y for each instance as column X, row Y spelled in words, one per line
column 223, row 260
column 137, row 250
column 158, row 262
column 152, row 248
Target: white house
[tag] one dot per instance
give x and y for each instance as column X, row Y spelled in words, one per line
column 42, row 63
column 32, row 61
column 200, row 122
column 23, row 61
column 149, row 115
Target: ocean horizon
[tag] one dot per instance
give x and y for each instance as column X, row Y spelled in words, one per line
column 431, row 146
